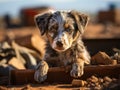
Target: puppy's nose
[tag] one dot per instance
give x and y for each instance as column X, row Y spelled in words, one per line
column 59, row 44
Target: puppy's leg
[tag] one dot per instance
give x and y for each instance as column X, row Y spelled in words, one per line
column 77, row 69
column 41, row 71
column 78, row 65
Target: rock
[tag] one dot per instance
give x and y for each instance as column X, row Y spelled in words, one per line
column 106, row 84
column 107, row 79
column 78, row 83
column 114, row 80
column 16, row 63
column 101, row 58
column 114, row 62
column 100, row 80
column 94, row 79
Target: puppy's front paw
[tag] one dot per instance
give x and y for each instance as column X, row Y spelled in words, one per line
column 41, row 72
column 77, row 70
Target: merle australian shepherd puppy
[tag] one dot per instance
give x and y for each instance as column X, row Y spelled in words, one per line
column 63, row 30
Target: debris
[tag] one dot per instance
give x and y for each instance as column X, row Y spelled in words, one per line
column 94, row 79
column 25, row 55
column 6, row 51
column 14, row 56
column 107, row 79
column 78, row 83
column 102, row 83
column 16, row 63
column 114, row 62
column 31, row 61
column 116, row 56
column 101, row 58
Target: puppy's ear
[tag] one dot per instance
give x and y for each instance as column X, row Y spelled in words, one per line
column 81, row 20
column 42, row 20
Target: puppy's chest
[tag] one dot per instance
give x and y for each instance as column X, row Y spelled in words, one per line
column 54, row 58
column 67, row 57
column 60, row 59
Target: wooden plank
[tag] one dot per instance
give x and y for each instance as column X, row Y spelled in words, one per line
column 61, row 74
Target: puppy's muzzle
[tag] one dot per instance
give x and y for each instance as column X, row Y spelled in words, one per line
column 59, row 44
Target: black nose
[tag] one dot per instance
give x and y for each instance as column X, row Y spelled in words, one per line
column 59, row 44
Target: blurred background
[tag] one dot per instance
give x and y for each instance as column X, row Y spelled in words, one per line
column 19, row 15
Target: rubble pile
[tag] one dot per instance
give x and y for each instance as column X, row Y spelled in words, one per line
column 14, row 56
column 101, row 58
column 97, row 83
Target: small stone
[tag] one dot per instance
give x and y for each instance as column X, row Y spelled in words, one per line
column 100, row 80
column 85, row 82
column 114, row 62
column 97, row 84
column 107, row 79
column 94, row 79
column 114, row 79
column 105, row 84
column 92, row 84
column 88, row 80
column 78, row 83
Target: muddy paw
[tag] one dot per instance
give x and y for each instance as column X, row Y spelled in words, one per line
column 77, row 70
column 41, row 71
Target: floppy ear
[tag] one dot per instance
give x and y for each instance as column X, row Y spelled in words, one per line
column 81, row 20
column 42, row 20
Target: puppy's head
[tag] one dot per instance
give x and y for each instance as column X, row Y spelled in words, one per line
column 62, row 28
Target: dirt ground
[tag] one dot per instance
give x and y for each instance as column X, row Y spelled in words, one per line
column 41, row 87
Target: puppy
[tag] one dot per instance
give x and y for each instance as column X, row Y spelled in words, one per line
column 63, row 30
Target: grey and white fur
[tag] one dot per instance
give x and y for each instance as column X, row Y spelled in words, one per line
column 63, row 30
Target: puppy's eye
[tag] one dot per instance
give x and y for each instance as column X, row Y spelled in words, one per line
column 53, row 29
column 69, row 30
